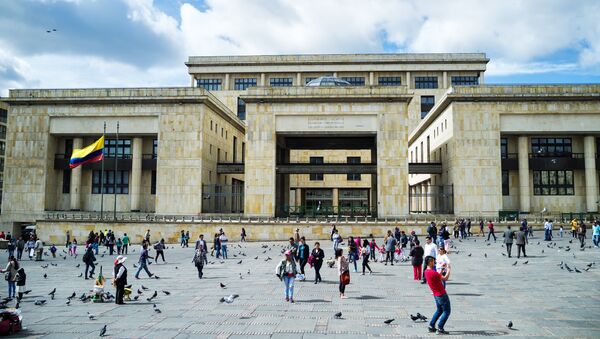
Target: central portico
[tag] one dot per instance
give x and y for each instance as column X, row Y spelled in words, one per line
column 280, row 120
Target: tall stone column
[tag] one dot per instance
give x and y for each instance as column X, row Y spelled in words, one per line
column 299, row 79
column 408, row 84
column 262, row 79
column 136, row 174
column 335, row 202
column 371, row 79
column 524, row 189
column 424, row 190
column 75, row 193
column 445, row 79
column 591, row 179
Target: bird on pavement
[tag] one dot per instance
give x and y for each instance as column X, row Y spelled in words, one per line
column 166, row 292
column 222, row 285
column 388, row 321
column 515, row 263
column 510, row 324
column 145, row 288
column 91, row 316
column 40, row 302
column 338, row 315
column 229, row 299
column 103, row 331
column 525, row 262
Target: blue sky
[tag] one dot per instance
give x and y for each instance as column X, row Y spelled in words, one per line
column 120, row 43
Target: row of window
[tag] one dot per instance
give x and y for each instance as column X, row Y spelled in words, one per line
column 546, row 183
column 107, row 183
column 543, row 147
column 349, row 176
column 241, row 84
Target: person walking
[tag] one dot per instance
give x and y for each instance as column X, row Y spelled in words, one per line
column 68, row 236
column 243, row 235
column 223, row 240
column 120, row 279
column 293, row 248
column 160, row 250
column 182, row 239
column 581, row 231
column 417, row 260
column 143, row 263
column 336, row 238
column 111, row 243
column 596, row 234
column 125, row 243
column 39, row 249
column 373, row 248
column 365, row 252
column 11, row 246
column 521, row 241
column 147, row 236
column 343, row 271
column 303, row 253
column 21, row 280
column 119, row 246
column 297, row 235
column 88, row 260
column 10, row 275
column 508, row 236
column 430, row 250
column 352, row 252
column 187, row 238
column 390, row 246
column 333, row 230
column 201, row 245
column 286, row 271
column 442, row 301
column 74, row 246
column 31, row 248
column 20, row 248
column 198, row 261
column 217, row 245
column 574, row 227
column 491, row 231
column 481, row 228
column 318, row 256
column 469, row 234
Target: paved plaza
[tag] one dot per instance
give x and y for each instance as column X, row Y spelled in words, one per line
column 540, row 298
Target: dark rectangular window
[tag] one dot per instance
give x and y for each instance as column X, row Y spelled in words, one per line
column 426, row 82
column 3, row 115
column 66, row 184
column 553, row 183
column 241, row 109
column 234, row 149
column 389, row 81
column 108, row 182
column 465, row 80
column 316, row 161
column 308, row 79
column 2, row 147
column 154, row 148
column 551, row 147
column 281, row 82
column 505, row 183
column 2, row 132
column 243, row 152
column 355, row 81
column 503, row 148
column 427, row 103
column 153, row 183
column 123, row 148
column 209, row 84
column 241, row 84
column 353, row 176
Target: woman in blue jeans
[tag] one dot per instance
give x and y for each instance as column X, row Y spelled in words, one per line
column 442, row 301
column 11, row 275
column 286, row 271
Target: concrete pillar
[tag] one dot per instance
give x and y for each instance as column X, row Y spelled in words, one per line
column 263, row 78
column 299, row 79
column 75, row 193
column 335, row 74
column 524, row 189
column 298, row 197
column 226, row 82
column 193, row 80
column 136, row 174
column 433, row 198
column 336, row 199
column 424, row 205
column 408, row 82
column 591, row 179
column 481, row 78
column 371, row 78
column 445, row 79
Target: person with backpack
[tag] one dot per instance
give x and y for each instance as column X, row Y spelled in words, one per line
column 286, row 271
column 198, row 261
column 160, row 250
column 88, row 260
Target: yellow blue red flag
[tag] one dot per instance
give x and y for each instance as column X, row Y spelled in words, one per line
column 91, row 153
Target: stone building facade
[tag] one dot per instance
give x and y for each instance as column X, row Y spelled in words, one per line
column 3, row 120
column 413, row 133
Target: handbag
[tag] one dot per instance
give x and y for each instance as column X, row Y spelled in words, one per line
column 7, row 276
column 345, row 278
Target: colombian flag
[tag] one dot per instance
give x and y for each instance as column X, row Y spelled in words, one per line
column 91, row 153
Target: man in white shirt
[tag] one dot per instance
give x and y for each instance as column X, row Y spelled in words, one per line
column 431, row 250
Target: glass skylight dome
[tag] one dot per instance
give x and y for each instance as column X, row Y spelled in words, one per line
column 327, row 81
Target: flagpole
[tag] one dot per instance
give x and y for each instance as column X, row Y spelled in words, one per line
column 102, row 180
column 115, row 175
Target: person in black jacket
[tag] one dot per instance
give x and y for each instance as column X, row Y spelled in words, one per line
column 120, row 279
column 21, row 279
column 303, row 253
column 417, row 259
column 318, row 256
column 88, row 259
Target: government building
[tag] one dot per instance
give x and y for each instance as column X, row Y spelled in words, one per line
column 381, row 136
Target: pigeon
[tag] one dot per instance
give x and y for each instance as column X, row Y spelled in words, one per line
column 176, row 267
column 40, row 302
column 139, row 292
column 153, row 296
column 68, row 303
column 136, row 298
column 222, row 285
column 103, row 331
column 503, row 254
column 54, row 264
column 515, row 263
column 72, row 296
column 135, row 266
column 166, row 292
column 77, row 266
column 45, row 276
column 256, row 258
column 44, row 266
column 485, row 255
column 422, row 317
column 156, row 309
column 80, row 275
column 91, row 316
column 156, row 276
column 27, row 292
column 525, row 262
column 590, row 264
column 229, row 299
column 144, row 288
column 587, row 269
column 388, row 321
column 576, row 270
column 239, row 262
column 542, row 251
column 510, row 324
column 468, row 255
column 338, row 315
column 52, row 292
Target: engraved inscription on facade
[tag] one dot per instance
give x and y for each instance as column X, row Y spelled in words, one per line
column 325, row 122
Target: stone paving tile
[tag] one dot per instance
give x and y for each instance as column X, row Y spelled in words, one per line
column 540, row 298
